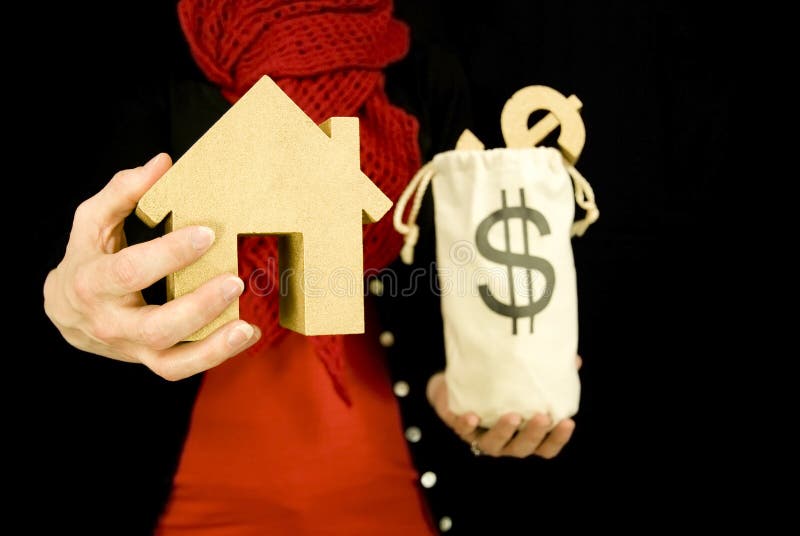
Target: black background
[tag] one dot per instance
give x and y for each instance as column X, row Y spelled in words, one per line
column 654, row 79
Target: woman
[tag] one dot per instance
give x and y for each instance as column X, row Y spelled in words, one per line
column 297, row 435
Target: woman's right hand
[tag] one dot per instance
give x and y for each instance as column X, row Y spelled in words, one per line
column 94, row 295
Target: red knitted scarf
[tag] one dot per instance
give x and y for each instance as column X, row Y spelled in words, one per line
column 327, row 55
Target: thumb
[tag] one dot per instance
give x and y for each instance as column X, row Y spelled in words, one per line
column 432, row 389
column 119, row 197
column 444, row 412
column 437, row 396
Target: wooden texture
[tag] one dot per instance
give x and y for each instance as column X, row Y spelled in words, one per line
column 564, row 112
column 469, row 142
column 266, row 168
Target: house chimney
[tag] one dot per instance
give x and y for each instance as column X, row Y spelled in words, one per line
column 344, row 133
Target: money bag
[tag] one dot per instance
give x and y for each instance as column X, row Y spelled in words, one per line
column 504, row 219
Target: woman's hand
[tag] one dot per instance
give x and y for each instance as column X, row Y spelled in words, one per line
column 93, row 296
column 539, row 437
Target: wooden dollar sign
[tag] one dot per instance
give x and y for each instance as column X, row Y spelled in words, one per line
column 563, row 110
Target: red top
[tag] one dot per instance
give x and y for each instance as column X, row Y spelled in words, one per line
column 273, row 449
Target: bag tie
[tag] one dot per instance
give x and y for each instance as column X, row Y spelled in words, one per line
column 410, row 230
column 584, row 197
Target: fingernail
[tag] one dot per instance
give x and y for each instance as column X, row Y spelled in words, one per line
column 232, row 288
column 515, row 420
column 240, row 334
column 202, row 237
column 152, row 161
column 472, row 420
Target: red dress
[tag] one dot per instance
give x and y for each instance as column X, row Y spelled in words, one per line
column 273, row 449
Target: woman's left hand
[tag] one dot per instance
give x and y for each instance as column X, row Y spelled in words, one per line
column 538, row 437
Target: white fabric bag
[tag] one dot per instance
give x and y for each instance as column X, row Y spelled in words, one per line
column 504, row 218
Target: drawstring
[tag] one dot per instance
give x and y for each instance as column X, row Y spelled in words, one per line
column 410, row 229
column 584, row 196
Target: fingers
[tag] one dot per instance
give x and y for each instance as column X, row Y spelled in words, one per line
column 493, row 441
column 556, row 440
column 119, row 197
column 536, row 438
column 139, row 266
column 160, row 327
column 578, row 362
column 188, row 359
column 466, row 426
column 503, row 439
column 529, row 438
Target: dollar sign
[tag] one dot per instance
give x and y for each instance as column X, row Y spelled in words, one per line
column 509, row 259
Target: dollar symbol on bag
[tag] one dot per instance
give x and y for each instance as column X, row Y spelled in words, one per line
column 527, row 261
